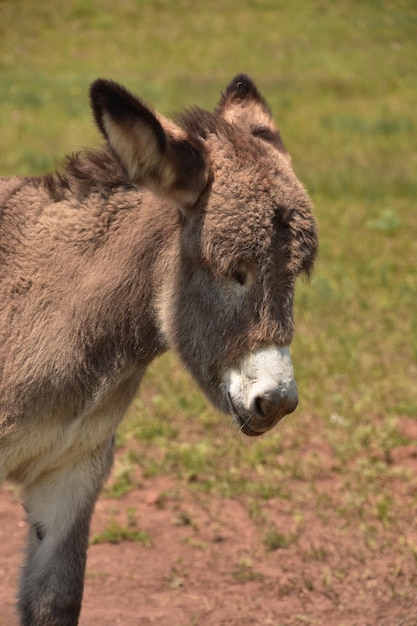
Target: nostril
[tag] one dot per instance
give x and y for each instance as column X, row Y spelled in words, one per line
column 260, row 406
column 264, row 404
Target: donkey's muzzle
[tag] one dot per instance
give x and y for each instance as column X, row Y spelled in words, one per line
column 261, row 390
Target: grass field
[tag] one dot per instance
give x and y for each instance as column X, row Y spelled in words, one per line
column 341, row 80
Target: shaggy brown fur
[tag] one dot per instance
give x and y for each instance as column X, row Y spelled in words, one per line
column 186, row 235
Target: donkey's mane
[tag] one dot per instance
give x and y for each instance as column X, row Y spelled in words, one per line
column 199, row 122
column 202, row 123
column 85, row 172
column 99, row 171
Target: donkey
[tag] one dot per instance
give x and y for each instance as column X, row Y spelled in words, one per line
column 185, row 235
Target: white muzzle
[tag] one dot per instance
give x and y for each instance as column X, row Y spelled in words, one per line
column 261, row 390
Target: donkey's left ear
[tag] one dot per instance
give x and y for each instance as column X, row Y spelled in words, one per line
column 242, row 103
column 154, row 151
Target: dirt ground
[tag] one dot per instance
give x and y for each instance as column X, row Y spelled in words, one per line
column 206, row 562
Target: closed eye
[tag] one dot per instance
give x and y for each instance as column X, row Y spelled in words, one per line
column 240, row 277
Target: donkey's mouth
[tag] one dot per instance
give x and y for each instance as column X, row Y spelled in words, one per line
column 251, row 425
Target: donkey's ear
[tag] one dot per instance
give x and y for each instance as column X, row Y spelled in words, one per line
column 242, row 103
column 154, row 151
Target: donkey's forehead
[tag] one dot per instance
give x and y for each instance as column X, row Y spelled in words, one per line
column 252, row 187
column 231, row 237
column 249, row 201
column 245, row 166
column 238, row 223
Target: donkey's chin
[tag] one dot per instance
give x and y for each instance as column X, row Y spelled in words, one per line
column 251, row 432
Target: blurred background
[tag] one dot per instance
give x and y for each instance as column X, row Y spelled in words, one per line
column 341, row 79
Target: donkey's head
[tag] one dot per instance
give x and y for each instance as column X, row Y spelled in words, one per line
column 245, row 231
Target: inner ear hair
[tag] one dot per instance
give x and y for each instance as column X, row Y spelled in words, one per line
column 270, row 135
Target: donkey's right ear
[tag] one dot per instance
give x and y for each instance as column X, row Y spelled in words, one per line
column 242, row 103
column 242, row 100
column 154, row 151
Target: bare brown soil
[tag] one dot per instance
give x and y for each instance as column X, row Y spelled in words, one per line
column 207, row 562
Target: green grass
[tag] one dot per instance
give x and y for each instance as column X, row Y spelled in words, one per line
column 116, row 533
column 275, row 540
column 341, row 80
column 245, row 572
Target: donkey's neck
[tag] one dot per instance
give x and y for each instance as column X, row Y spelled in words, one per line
column 88, row 248
column 127, row 262
column 114, row 239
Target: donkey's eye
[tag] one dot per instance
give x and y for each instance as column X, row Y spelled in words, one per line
column 240, row 277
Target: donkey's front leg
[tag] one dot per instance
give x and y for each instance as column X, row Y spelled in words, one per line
column 59, row 508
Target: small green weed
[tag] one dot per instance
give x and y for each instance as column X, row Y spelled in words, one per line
column 122, row 478
column 383, row 509
column 275, row 540
column 116, row 533
column 96, row 575
column 185, row 519
column 176, row 577
column 245, row 572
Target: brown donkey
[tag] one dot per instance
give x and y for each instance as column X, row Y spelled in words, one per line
column 186, row 235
